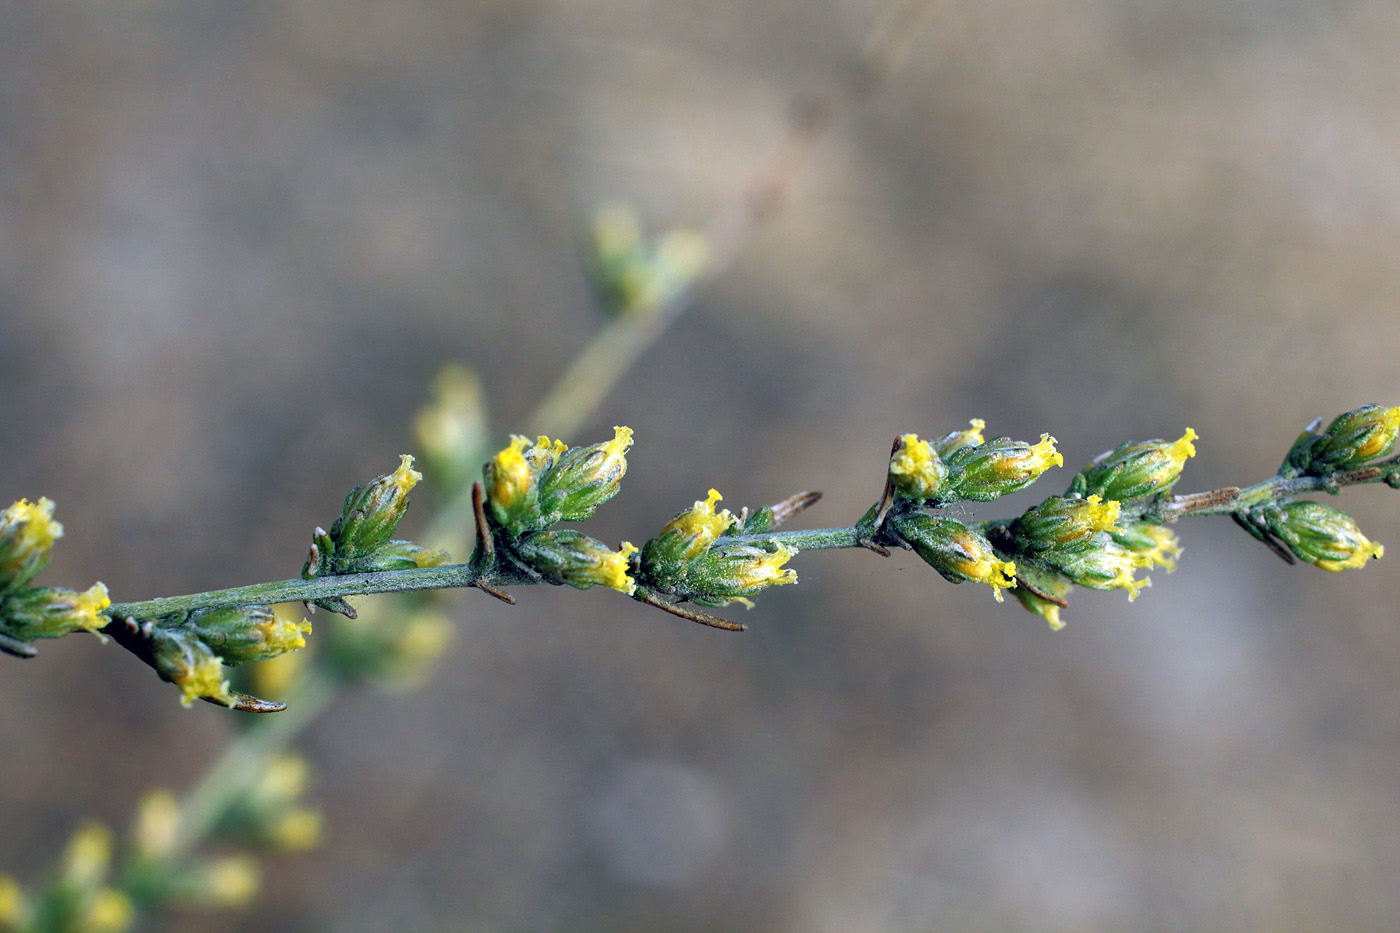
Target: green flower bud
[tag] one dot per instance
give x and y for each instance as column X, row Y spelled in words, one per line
column 401, row 555
column 584, row 478
column 27, row 534
column 1103, row 565
column 1351, row 440
column 1062, row 524
column 915, row 470
column 1155, row 544
column 372, row 512
column 568, row 556
column 181, row 658
column 956, row 551
column 1320, row 534
column 955, row 441
column 730, row 573
column 49, row 612
column 999, row 467
column 1136, row 470
column 246, row 633
column 686, row 537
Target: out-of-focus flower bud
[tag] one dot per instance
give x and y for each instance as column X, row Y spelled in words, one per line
column 27, row 534
column 1156, row 544
column 916, row 471
column 584, row 478
column 1103, row 565
column 1351, row 440
column 452, row 427
column 999, row 467
column 188, row 663
column 247, row 633
column 50, row 612
column 1320, row 534
column 513, row 481
column 1135, row 470
column 1062, row 524
column 568, row 556
column 955, row 441
column 156, row 826
column 956, row 551
column 230, row 882
column 630, row 275
column 13, row 905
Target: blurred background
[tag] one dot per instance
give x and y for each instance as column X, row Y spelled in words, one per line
column 238, row 239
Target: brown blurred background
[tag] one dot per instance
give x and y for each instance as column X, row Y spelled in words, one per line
column 240, row 237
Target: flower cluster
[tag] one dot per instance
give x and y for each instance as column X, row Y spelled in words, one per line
column 27, row 613
column 702, row 556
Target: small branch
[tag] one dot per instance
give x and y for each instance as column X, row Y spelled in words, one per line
column 694, row 615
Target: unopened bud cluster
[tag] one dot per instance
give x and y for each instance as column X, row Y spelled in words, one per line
column 27, row 612
column 1353, row 439
column 700, row 556
column 1078, row 539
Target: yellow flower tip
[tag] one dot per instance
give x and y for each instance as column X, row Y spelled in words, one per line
column 157, row 819
column 1165, row 548
column 1383, row 436
column 232, row 882
column 614, row 566
column 88, row 607
column 1001, row 574
column 37, row 527
column 109, row 911
column 405, row 477
column 978, row 426
column 1182, row 448
column 283, row 635
column 1132, row 585
column 622, row 440
column 11, row 903
column 205, row 679
column 1052, row 616
column 916, row 468
column 433, row 558
column 742, row 600
column 1046, row 454
column 1102, row 516
column 768, row 570
column 1365, row 550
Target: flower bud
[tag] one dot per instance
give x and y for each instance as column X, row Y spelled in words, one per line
column 188, row 663
column 1136, row 470
column 1155, row 544
column 27, row 534
column 1103, row 565
column 584, row 478
column 568, row 556
column 957, row 552
column 1353, row 438
column 50, row 612
column 246, row 633
column 687, row 536
column 1042, row 607
column 999, row 467
column 13, row 905
column 452, row 428
column 952, row 443
column 1062, row 524
column 512, row 481
column 915, row 470
column 1320, row 534
column 372, row 512
column 729, row 573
